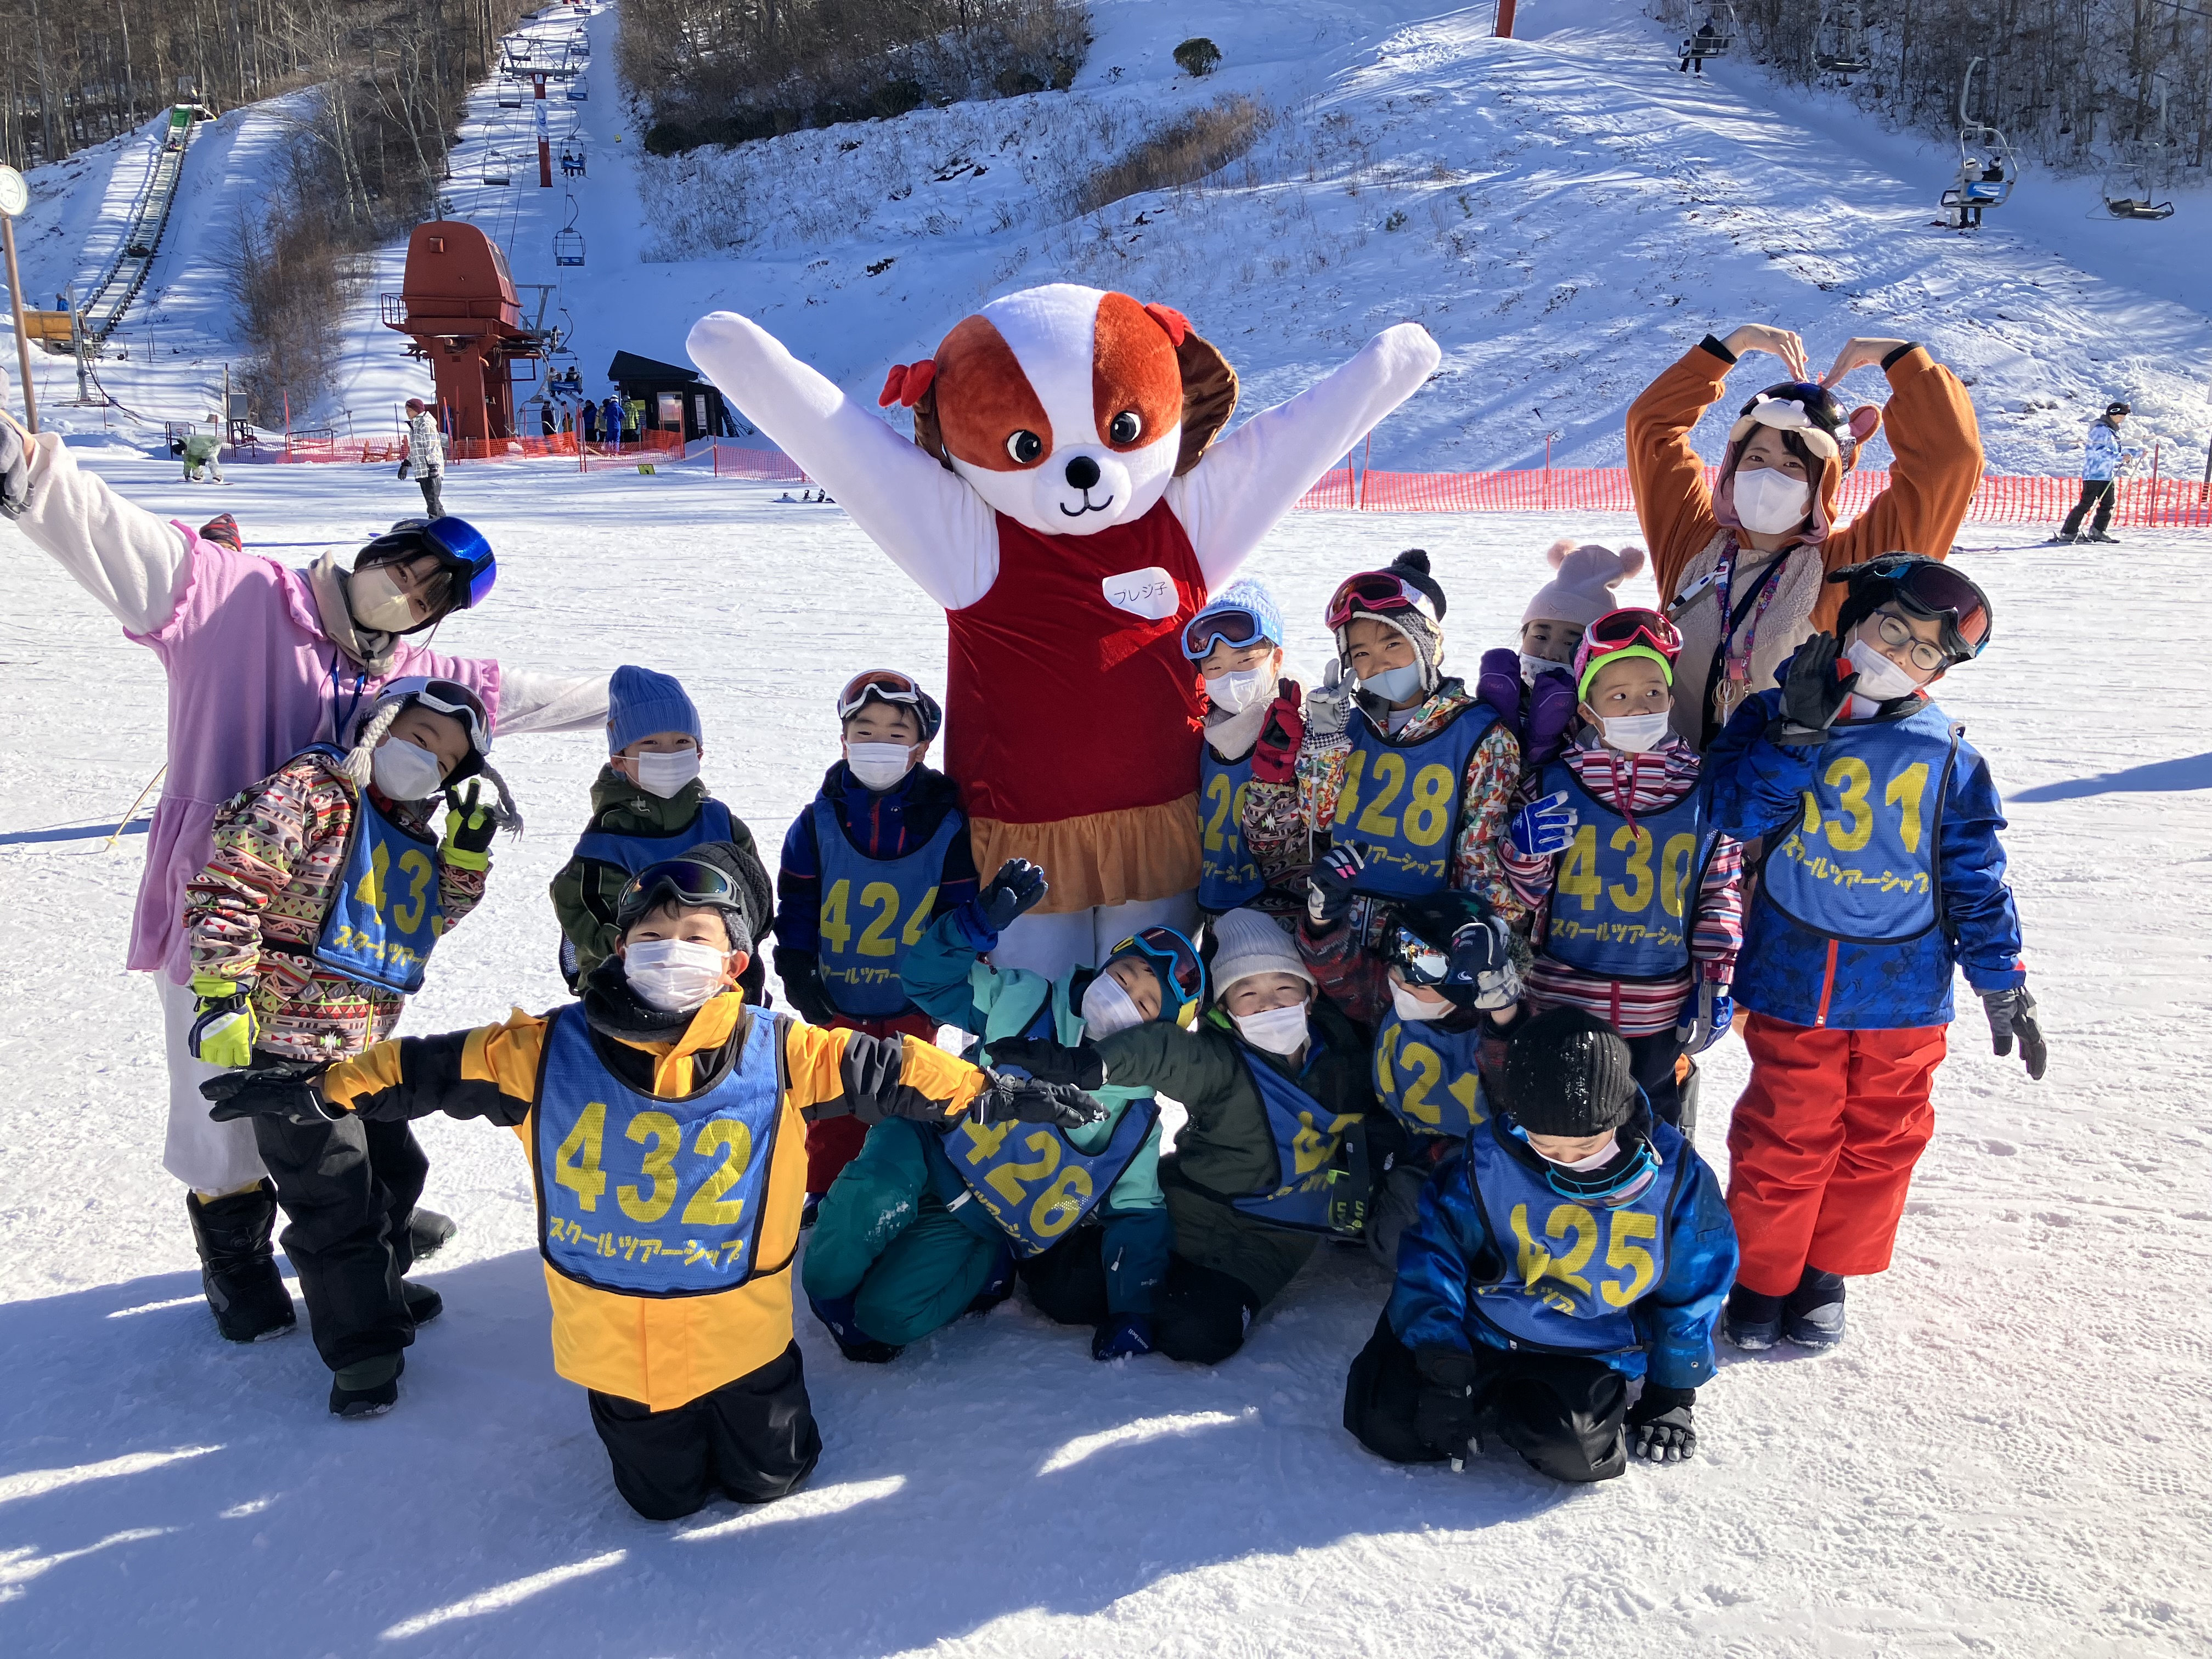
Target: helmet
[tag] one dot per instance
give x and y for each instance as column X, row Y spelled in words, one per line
column 1921, row 586
column 1175, row 959
column 463, row 557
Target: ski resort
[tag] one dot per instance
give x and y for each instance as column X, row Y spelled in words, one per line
column 1030, row 827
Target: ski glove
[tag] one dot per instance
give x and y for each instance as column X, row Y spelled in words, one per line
column 471, row 820
column 1328, row 886
column 1813, row 692
column 1443, row 1411
column 801, row 974
column 1010, row 1099
column 223, row 1030
column 283, row 1091
column 1328, row 708
column 1482, row 956
column 1544, row 827
column 1122, row 1336
column 2012, row 1014
column 15, row 468
column 1282, row 731
column 1498, row 684
column 1705, row 1018
column 1659, row 1428
column 1552, row 702
column 1019, row 886
column 1049, row 1062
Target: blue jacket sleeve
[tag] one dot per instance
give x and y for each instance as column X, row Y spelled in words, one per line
column 1977, row 904
column 1676, row 1320
column 936, row 969
column 799, row 888
column 1428, row 1303
column 1759, row 787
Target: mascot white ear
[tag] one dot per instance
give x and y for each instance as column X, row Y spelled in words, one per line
column 1068, row 408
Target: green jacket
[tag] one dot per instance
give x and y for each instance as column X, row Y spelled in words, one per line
column 1225, row 1146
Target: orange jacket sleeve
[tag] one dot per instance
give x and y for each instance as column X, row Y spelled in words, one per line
column 1673, row 503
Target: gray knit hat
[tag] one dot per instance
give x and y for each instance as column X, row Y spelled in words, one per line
column 1249, row 942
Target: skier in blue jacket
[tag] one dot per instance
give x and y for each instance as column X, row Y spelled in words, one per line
column 2103, row 456
column 1880, row 870
column 1577, row 1243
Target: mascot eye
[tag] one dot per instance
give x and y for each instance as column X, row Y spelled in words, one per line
column 1124, row 427
column 1024, row 446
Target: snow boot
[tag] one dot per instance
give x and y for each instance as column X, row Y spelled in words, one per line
column 1752, row 1321
column 368, row 1388
column 237, row 1270
column 2100, row 536
column 430, row 1232
column 1813, row 1316
column 424, row 1303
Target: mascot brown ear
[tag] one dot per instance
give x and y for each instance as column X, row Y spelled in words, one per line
column 1209, row 395
column 914, row 385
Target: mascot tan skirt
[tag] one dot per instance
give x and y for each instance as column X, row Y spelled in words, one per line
column 1070, row 499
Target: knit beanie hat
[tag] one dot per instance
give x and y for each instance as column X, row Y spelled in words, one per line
column 1249, row 942
column 1247, row 595
column 1583, row 590
column 755, row 890
column 640, row 703
column 223, row 530
column 1423, row 629
column 1568, row 1073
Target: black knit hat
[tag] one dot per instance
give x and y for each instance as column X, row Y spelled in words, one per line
column 743, row 866
column 1568, row 1073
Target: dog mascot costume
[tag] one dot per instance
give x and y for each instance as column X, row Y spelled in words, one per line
column 1066, row 499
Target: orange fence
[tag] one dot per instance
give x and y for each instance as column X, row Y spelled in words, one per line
column 737, row 461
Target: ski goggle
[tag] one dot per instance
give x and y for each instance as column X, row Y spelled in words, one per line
column 1619, row 628
column 1928, row 588
column 1413, row 957
column 444, row 697
column 463, row 555
column 890, row 685
column 1371, row 591
column 680, row 881
column 1231, row 625
column 1175, row 959
column 1619, row 1182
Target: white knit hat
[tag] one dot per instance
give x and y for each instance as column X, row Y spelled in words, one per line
column 1583, row 590
column 1249, row 942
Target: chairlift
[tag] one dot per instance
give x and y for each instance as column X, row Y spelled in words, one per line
column 495, row 170
column 510, row 92
column 1714, row 33
column 569, row 242
column 1840, row 40
column 1979, row 185
column 577, row 93
column 2131, row 182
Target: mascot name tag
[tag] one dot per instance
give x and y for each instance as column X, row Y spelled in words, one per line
column 1149, row 593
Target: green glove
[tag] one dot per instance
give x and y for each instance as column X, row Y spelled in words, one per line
column 223, row 1032
column 471, row 820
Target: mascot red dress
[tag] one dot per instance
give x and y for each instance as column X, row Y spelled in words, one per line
column 1069, row 499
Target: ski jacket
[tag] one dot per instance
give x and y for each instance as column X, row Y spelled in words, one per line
column 884, row 826
column 256, row 911
column 2102, row 452
column 1452, row 1258
column 1795, row 972
column 661, row 1350
column 426, row 444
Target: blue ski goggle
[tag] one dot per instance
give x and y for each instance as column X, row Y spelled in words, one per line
column 1232, row 625
column 1621, row 1181
column 462, row 549
column 1176, row 960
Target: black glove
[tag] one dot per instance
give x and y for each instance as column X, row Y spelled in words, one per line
column 1010, row 1099
column 15, row 468
column 1049, row 1062
column 1813, row 694
column 1444, row 1412
column 1018, row 887
column 1328, row 886
column 1659, row 1426
column 1481, row 960
column 801, row 974
column 2012, row 1014
column 288, row 1092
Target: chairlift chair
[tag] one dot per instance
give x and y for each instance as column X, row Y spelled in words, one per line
column 495, row 170
column 2131, row 185
column 1840, row 40
column 1719, row 15
column 510, row 92
column 1974, row 190
column 577, row 93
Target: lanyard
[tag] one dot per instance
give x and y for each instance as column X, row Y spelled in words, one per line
column 1739, row 662
column 353, row 702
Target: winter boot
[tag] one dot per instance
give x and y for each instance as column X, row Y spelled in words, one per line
column 1752, row 1321
column 1813, row 1316
column 237, row 1271
column 368, row 1388
column 2100, row 536
column 424, row 1303
column 429, row 1231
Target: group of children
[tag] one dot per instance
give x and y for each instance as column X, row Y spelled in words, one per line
column 1460, row 949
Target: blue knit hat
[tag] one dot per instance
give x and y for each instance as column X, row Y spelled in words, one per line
column 641, row 703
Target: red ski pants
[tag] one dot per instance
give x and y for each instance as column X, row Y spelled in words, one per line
column 833, row 1142
column 1822, row 1145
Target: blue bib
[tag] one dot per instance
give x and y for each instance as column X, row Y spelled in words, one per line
column 873, row 912
column 1034, row 1182
column 1428, row 1078
column 1401, row 804
column 643, row 1196
column 1624, row 896
column 1860, row 864
column 712, row 822
column 387, row 914
column 1228, row 874
column 1306, row 1137
column 1573, row 1270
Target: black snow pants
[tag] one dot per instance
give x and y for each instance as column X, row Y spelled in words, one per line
column 754, row 1439
column 433, row 501
column 2102, row 494
column 1561, row 1413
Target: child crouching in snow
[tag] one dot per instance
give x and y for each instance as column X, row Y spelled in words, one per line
column 665, row 1122
column 1577, row 1244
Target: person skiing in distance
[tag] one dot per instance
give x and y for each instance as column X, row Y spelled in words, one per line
column 2103, row 456
column 425, row 455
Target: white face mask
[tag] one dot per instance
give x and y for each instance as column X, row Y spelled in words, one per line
column 1532, row 667
column 1597, row 1160
column 1106, row 1008
column 405, row 770
column 1769, row 502
column 664, row 774
column 1880, row 679
column 1278, row 1030
column 1234, row 693
column 674, row 974
column 376, row 602
column 1394, row 684
column 1634, row 733
column 1410, row 1005
column 879, row 766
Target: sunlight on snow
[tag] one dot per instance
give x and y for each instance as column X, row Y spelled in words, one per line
column 500, row 1596
column 32, row 1482
column 1130, row 1434
column 806, row 1506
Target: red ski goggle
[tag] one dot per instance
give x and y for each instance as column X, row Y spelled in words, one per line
column 1370, row 591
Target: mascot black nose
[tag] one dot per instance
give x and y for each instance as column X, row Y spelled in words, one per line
column 1082, row 472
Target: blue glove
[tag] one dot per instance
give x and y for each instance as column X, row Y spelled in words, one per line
column 1019, row 887
column 1543, row 827
column 1705, row 1018
column 1122, row 1336
column 837, row 1313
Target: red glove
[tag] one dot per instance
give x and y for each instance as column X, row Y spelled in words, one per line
column 1275, row 758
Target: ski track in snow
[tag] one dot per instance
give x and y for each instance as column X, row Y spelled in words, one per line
column 2010, row 1456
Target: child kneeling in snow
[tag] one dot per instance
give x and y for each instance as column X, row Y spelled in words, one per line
column 922, row 1227
column 1577, row 1244
column 665, row 1122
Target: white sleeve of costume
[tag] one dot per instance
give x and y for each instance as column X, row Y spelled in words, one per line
column 532, row 702
column 934, row 527
column 1256, row 474
column 131, row 562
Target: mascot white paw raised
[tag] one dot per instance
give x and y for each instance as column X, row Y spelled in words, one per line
column 1069, row 498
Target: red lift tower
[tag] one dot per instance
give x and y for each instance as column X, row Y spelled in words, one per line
column 459, row 304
